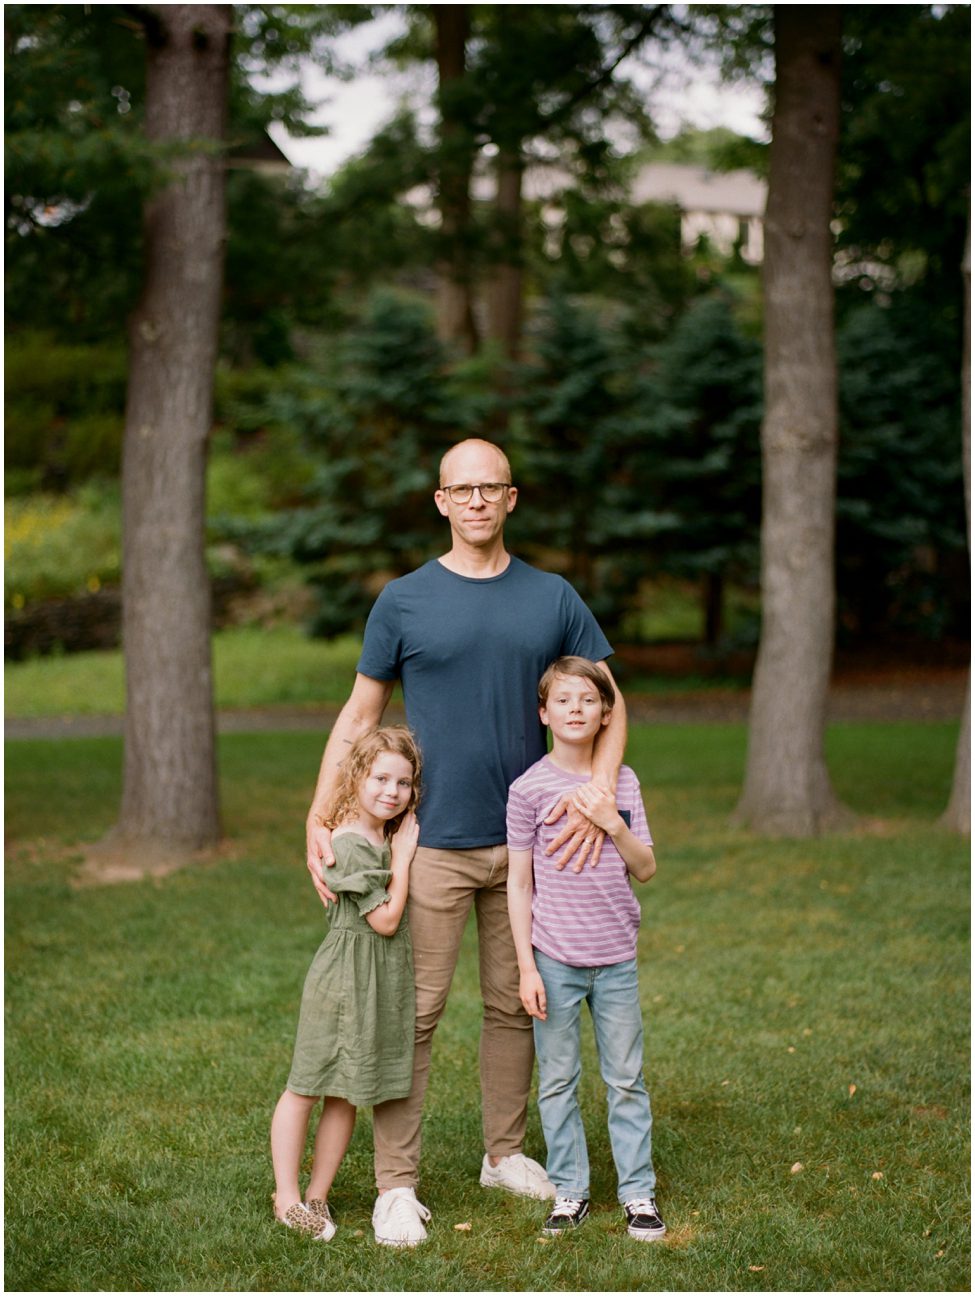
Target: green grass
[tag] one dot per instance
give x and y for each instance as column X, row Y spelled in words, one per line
column 252, row 668
column 149, row 1028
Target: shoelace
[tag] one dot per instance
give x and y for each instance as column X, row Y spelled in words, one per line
column 643, row 1206
column 565, row 1206
column 401, row 1207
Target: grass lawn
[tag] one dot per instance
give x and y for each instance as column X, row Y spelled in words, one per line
column 807, row 1020
column 253, row 667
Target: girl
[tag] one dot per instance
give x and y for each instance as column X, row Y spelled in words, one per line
column 354, row 1045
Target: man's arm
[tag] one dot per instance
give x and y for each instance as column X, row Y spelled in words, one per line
column 581, row 834
column 363, row 711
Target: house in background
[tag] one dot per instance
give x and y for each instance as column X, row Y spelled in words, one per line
column 726, row 207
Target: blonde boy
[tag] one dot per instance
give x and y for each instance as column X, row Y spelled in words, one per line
column 575, row 936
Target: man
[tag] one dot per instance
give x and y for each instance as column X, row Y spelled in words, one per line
column 468, row 635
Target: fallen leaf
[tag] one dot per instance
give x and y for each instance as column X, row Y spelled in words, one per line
column 462, row 1228
column 726, row 1082
column 877, row 1174
column 755, row 1268
column 544, row 1241
column 790, row 1049
column 807, row 1032
column 695, row 1212
column 679, row 949
column 853, row 1090
column 797, row 1166
column 938, row 1255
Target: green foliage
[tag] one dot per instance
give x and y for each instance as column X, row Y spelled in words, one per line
column 150, row 1023
column 377, row 424
column 629, row 472
column 702, row 460
column 64, row 410
column 905, row 150
column 901, row 532
column 60, row 546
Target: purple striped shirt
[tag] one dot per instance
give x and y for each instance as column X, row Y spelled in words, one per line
column 587, row 919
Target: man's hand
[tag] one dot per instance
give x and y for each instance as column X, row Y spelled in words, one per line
column 320, row 857
column 532, row 992
column 581, row 834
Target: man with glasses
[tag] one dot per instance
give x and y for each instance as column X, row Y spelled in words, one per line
column 468, row 635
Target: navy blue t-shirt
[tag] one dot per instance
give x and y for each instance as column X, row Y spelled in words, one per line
column 470, row 653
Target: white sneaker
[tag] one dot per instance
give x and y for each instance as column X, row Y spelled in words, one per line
column 517, row 1174
column 397, row 1219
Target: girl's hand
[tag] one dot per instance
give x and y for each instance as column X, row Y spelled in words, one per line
column 404, row 839
column 598, row 804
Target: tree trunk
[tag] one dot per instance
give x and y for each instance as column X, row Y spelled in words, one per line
column 505, row 291
column 787, row 789
column 455, row 314
column 713, row 600
column 958, row 815
column 169, row 797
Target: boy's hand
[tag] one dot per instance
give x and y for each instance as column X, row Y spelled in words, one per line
column 599, row 805
column 532, row 991
column 320, row 857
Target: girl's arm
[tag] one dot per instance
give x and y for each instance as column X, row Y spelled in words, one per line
column 531, row 988
column 600, row 806
column 385, row 918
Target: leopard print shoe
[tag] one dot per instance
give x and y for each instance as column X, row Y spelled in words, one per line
column 323, row 1216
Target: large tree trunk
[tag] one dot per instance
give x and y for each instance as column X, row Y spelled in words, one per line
column 455, row 314
column 505, row 290
column 169, row 797
column 958, row 815
column 787, row 789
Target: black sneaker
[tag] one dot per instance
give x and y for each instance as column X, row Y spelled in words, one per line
column 643, row 1219
column 567, row 1213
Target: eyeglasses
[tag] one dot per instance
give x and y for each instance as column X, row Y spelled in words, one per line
column 490, row 492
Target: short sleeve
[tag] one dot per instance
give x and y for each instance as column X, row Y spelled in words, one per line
column 360, row 873
column 520, row 820
column 382, row 640
column 581, row 636
column 629, row 797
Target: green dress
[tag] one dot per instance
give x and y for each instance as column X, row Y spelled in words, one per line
column 358, row 1007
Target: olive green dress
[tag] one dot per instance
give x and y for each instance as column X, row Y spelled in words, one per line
column 358, row 1008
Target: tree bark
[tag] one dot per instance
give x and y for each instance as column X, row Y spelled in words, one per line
column 169, row 797
column 958, row 815
column 506, row 291
column 455, row 313
column 787, row 789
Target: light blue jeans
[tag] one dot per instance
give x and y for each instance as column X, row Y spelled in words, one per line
column 613, row 996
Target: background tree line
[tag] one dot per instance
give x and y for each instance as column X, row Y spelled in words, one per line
column 359, row 336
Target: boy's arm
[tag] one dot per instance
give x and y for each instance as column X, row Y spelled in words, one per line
column 530, row 988
column 607, row 757
column 600, row 806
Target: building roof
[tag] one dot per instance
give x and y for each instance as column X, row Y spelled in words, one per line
column 695, row 188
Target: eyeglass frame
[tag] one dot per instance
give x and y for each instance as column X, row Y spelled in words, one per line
column 480, row 488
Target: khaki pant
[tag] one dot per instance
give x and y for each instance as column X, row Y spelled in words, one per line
column 443, row 886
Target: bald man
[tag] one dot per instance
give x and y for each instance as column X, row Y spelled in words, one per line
column 468, row 635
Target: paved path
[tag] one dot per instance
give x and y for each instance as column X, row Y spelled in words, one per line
column 933, row 695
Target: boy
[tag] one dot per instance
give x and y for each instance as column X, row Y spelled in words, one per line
column 575, row 935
